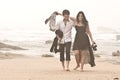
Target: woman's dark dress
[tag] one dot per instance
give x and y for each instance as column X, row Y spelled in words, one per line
column 81, row 41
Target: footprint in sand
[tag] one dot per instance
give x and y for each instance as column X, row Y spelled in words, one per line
column 116, row 78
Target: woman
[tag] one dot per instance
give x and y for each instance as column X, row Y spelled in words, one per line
column 81, row 43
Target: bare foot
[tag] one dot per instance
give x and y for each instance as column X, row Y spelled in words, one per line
column 76, row 67
column 63, row 69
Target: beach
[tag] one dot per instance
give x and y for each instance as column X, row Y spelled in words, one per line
column 49, row 68
column 25, row 62
column 26, row 39
column 21, row 51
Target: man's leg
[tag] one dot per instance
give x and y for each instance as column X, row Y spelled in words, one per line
column 68, row 57
column 62, row 59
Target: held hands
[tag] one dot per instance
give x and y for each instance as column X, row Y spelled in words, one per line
column 94, row 46
column 93, row 42
column 57, row 13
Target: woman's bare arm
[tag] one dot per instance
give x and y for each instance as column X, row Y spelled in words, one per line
column 89, row 33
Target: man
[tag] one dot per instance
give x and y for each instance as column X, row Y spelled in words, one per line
column 65, row 26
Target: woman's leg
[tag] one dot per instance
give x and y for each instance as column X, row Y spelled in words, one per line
column 77, row 58
column 83, row 57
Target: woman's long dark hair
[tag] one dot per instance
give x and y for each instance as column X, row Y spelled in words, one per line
column 85, row 22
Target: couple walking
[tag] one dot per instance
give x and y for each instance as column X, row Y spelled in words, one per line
column 81, row 45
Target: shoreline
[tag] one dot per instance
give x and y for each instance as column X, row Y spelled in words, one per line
column 7, row 55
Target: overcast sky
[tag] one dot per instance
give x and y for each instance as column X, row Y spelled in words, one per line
column 32, row 13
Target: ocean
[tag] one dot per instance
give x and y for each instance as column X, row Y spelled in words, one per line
column 34, row 40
